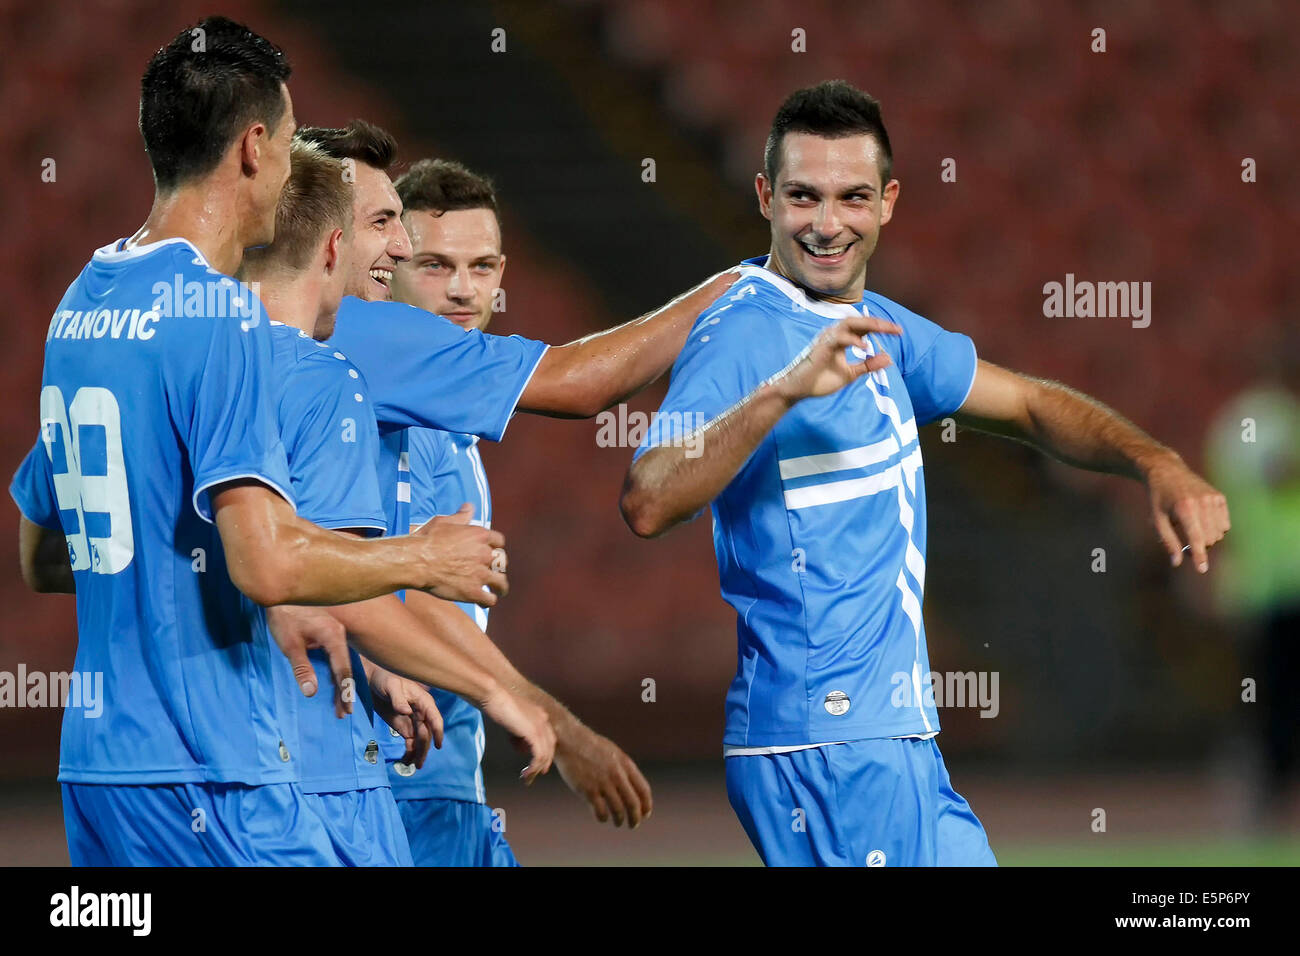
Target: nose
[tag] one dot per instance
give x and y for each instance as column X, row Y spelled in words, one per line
column 827, row 221
column 399, row 243
column 460, row 287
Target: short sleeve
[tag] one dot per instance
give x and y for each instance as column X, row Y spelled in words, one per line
column 428, row 372
column 230, row 425
column 938, row 366
column 727, row 356
column 429, row 472
column 32, row 489
column 332, row 443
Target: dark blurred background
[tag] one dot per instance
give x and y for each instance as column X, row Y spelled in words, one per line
column 1120, row 690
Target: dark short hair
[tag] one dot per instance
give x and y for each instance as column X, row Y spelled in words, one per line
column 832, row 109
column 441, row 185
column 201, row 91
column 315, row 201
column 359, row 140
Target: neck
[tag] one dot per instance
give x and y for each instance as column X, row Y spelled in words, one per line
column 850, row 296
column 205, row 213
column 293, row 298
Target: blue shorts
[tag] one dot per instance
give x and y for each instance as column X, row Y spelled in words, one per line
column 364, row 826
column 193, row 824
column 878, row 802
column 454, row 833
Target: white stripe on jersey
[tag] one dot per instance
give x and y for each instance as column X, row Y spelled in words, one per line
column 838, row 460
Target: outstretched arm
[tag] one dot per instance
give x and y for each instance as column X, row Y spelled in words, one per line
column 275, row 557
column 586, row 376
column 1081, row 431
column 592, row 765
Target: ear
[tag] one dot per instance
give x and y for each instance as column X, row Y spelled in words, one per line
column 334, row 251
column 764, row 190
column 250, row 148
column 889, row 197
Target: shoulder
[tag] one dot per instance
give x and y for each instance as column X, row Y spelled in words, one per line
column 316, row 368
column 746, row 311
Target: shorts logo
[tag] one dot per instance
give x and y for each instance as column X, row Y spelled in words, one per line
column 404, row 769
column 876, row 858
column 837, row 703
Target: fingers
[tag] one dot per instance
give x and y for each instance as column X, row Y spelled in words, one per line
column 631, row 800
column 641, row 786
column 340, row 661
column 1199, row 520
column 1166, row 531
column 302, row 669
column 430, row 717
column 614, row 800
column 419, row 745
column 862, row 324
column 499, row 585
column 463, row 515
column 1194, row 532
column 598, row 806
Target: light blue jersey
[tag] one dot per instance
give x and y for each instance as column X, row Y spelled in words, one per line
column 158, row 386
column 427, row 372
column 820, row 537
column 329, row 433
column 446, row 471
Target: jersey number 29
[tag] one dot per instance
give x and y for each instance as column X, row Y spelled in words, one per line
column 93, row 418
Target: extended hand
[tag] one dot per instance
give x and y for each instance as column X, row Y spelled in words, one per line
column 299, row 629
column 529, row 728
column 463, row 559
column 410, row 710
column 821, row 368
column 598, row 771
column 1187, row 511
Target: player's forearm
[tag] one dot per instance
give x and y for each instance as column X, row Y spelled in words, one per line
column 314, row 566
column 275, row 557
column 669, row 484
column 1081, row 431
column 588, row 375
column 388, row 634
column 452, row 625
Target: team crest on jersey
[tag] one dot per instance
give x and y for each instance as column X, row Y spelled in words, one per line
column 404, row 769
column 876, row 858
column 837, row 703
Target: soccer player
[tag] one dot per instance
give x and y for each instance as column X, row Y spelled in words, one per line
column 332, row 443
column 812, row 388
column 425, row 371
column 455, row 270
column 158, row 491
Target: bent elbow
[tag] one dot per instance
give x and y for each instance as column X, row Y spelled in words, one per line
column 640, row 514
column 267, row 583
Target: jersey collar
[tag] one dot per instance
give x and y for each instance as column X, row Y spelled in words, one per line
column 756, row 268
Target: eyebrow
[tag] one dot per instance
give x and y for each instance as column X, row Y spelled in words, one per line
column 805, row 187
column 429, row 255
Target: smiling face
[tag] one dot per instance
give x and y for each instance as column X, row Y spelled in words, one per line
column 826, row 208
column 379, row 240
column 455, row 267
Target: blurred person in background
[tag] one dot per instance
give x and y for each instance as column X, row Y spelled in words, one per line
column 1253, row 455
